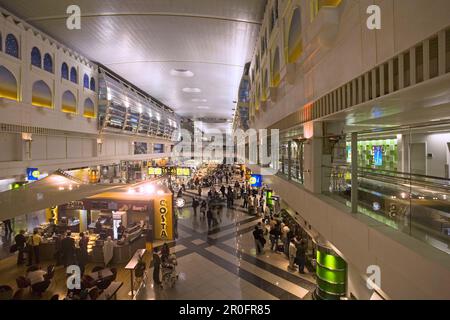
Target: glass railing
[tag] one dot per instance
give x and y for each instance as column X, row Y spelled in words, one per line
column 296, row 171
column 415, row 204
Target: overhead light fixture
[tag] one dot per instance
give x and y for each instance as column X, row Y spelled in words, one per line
column 191, row 90
column 181, row 73
column 203, row 107
column 199, row 100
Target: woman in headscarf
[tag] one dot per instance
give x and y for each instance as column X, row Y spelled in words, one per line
column 108, row 250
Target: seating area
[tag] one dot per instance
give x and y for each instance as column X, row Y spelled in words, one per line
column 39, row 283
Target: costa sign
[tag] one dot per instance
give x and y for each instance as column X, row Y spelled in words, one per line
column 163, row 218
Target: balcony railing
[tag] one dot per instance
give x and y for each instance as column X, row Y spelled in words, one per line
column 417, row 205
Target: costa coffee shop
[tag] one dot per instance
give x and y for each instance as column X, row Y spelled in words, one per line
column 147, row 204
column 144, row 209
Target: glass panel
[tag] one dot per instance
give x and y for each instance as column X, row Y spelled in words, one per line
column 403, row 180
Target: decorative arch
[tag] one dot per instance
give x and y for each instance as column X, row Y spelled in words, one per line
column 36, row 58
column 276, row 65
column 41, row 95
column 64, row 71
column 92, row 84
column 12, row 45
column 73, row 75
column 48, row 63
column 86, row 81
column 294, row 42
column 8, row 84
column 69, row 102
column 89, row 108
column 265, row 86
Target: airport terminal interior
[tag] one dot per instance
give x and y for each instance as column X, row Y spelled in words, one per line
column 224, row 150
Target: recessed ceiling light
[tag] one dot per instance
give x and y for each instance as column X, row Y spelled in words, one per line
column 181, row 73
column 199, row 100
column 192, row 90
column 202, row 107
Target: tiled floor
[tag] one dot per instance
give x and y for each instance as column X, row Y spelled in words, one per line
column 219, row 263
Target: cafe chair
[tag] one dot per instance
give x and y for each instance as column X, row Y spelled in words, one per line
column 87, row 282
column 6, row 292
column 114, row 272
column 40, row 287
column 104, row 283
column 50, row 272
column 94, row 293
column 22, row 282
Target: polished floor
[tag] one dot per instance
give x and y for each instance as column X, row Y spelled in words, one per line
column 220, row 263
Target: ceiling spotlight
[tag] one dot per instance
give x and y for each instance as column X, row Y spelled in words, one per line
column 191, row 90
column 199, row 100
column 203, row 107
column 181, row 73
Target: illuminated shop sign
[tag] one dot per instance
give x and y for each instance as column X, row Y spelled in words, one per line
column 173, row 171
column 155, row 171
column 163, row 218
column 255, row 180
column 378, row 155
column 33, row 174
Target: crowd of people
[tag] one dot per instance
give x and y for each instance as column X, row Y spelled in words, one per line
column 282, row 239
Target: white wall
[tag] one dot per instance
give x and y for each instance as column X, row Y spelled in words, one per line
column 350, row 49
column 436, row 144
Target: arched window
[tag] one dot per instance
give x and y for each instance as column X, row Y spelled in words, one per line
column 36, row 59
column 73, row 75
column 69, row 102
column 89, row 108
column 64, row 71
column 92, row 84
column 86, row 81
column 41, row 95
column 48, row 63
column 12, row 46
column 276, row 68
column 8, row 84
column 295, row 46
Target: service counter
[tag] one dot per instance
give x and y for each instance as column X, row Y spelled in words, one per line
column 122, row 253
column 48, row 247
column 47, row 250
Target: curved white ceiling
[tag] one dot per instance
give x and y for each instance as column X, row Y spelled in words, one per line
column 145, row 40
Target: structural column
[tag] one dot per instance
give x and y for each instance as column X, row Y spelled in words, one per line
column 355, row 186
column 313, row 154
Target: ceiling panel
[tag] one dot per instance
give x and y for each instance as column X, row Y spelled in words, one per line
column 143, row 40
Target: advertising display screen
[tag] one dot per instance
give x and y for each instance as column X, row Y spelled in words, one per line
column 158, row 148
column 174, row 171
column 140, row 148
column 33, row 174
column 155, row 171
column 378, row 155
column 255, row 180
